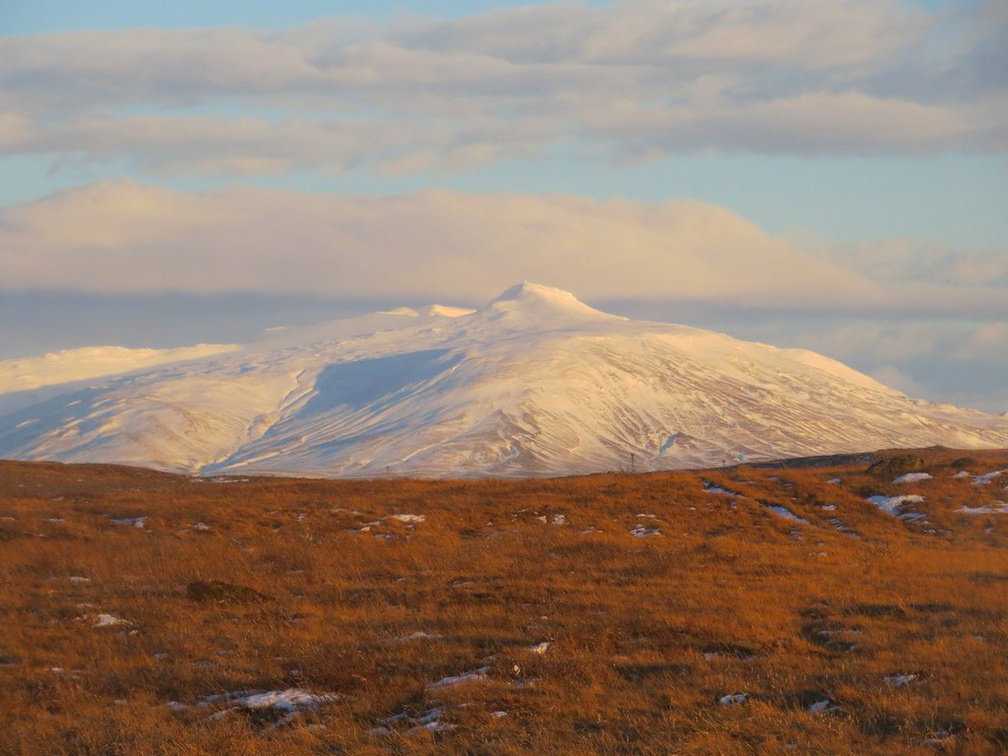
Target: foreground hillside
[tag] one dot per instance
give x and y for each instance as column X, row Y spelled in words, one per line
column 535, row 383
column 750, row 610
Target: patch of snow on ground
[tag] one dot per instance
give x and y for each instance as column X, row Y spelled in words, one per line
column 786, row 513
column 420, row 635
column 733, row 699
column 225, row 697
column 429, row 721
column 899, row 681
column 983, row 480
column 478, row 675
column 291, row 702
column 897, row 506
column 714, row 489
column 841, row 527
column 916, row 477
column 539, row 648
column 285, row 700
column 826, row 706
column 109, row 620
column 78, row 579
column 642, row 532
column 998, row 507
column 962, row 474
column 136, row 522
column 835, row 481
column 411, row 518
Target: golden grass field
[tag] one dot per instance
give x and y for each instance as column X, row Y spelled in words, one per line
column 608, row 614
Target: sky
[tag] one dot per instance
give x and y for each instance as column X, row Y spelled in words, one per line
column 831, row 174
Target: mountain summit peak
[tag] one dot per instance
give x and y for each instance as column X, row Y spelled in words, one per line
column 533, row 298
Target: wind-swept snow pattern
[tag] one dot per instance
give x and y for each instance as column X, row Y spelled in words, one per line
column 535, row 383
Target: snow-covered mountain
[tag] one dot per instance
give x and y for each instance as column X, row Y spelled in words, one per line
column 534, row 383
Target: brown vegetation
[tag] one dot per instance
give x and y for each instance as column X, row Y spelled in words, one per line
column 129, row 598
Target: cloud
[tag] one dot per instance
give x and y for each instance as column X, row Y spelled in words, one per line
column 902, row 260
column 630, row 80
column 890, row 375
column 125, row 236
column 129, row 237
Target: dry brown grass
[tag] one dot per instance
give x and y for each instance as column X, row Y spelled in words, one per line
column 646, row 633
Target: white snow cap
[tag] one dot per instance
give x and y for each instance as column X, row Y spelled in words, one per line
column 536, row 299
column 535, row 383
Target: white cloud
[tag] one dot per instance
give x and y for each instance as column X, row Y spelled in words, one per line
column 891, row 376
column 124, row 236
column 635, row 79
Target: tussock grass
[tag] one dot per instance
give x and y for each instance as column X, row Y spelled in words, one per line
column 422, row 631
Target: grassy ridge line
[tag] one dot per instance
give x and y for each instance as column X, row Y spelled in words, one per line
column 717, row 596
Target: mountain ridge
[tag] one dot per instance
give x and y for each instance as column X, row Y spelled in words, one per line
column 535, row 383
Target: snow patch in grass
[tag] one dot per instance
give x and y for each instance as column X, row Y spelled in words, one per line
column 419, row 635
column 714, row 489
column 412, row 518
column 786, row 513
column 826, row 706
column 429, row 721
column 733, row 699
column 642, row 532
column 291, row 703
column 136, row 522
column 841, row 527
column 539, row 648
column 900, row 681
column 445, row 683
column 109, row 620
column 998, row 507
column 291, row 699
column 915, row 477
column 897, row 506
column 983, row 480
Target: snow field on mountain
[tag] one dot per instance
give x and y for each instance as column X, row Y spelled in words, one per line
column 533, row 384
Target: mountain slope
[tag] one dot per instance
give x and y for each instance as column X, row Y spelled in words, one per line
column 535, row 383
